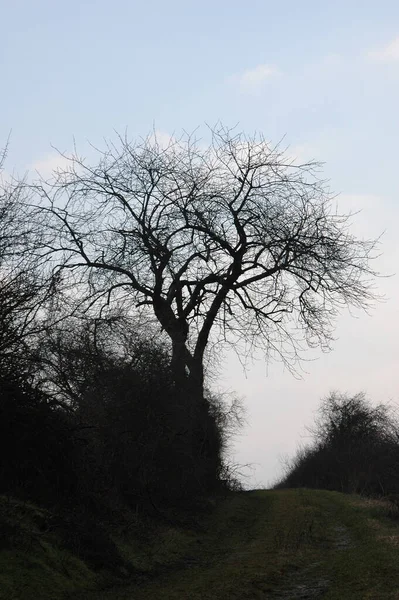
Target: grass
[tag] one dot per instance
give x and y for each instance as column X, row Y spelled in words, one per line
column 264, row 544
column 278, row 544
column 33, row 563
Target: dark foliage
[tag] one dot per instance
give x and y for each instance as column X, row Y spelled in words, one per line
column 98, row 424
column 355, row 449
column 138, row 443
column 120, row 443
column 36, row 448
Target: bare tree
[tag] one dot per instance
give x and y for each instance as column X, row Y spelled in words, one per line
column 22, row 291
column 234, row 239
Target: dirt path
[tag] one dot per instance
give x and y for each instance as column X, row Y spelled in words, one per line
column 282, row 545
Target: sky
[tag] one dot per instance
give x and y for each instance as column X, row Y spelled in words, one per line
column 321, row 76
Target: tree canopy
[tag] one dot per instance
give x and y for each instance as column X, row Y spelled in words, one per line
column 233, row 238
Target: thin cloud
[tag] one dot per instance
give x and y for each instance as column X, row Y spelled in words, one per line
column 253, row 79
column 302, row 153
column 162, row 139
column 388, row 53
column 48, row 166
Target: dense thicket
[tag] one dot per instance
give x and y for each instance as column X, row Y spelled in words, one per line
column 355, row 449
column 83, row 425
column 97, row 435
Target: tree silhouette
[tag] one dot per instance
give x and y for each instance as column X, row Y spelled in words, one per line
column 23, row 293
column 234, row 240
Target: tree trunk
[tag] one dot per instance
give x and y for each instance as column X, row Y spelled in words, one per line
column 196, row 380
column 178, row 362
column 188, row 373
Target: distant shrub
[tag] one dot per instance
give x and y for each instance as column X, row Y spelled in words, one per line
column 355, row 449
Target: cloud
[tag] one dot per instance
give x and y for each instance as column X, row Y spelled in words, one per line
column 388, row 53
column 253, row 79
column 162, row 139
column 6, row 179
column 48, row 166
column 302, row 153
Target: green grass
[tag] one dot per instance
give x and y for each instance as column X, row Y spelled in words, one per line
column 264, row 544
column 33, row 565
column 277, row 544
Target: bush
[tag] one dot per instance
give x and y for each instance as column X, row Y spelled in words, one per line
column 355, row 449
column 138, row 442
column 37, row 458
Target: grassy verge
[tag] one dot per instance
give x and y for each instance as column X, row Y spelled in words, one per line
column 266, row 544
column 33, row 563
column 279, row 544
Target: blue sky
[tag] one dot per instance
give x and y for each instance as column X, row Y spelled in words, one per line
column 323, row 74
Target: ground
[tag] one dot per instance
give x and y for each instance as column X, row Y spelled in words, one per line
column 278, row 544
column 285, row 544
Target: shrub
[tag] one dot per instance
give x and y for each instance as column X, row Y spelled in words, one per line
column 355, row 449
